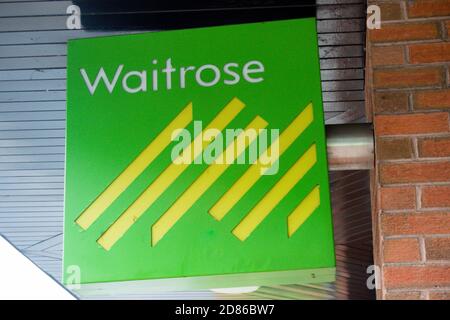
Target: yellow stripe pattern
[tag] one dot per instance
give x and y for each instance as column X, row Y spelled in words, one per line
column 166, row 178
column 134, row 169
column 202, row 183
column 276, row 194
column 303, row 211
column 253, row 174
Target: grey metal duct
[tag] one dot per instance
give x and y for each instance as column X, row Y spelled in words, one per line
column 350, row 146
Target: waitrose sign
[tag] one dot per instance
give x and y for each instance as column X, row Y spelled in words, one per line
column 198, row 154
column 207, row 75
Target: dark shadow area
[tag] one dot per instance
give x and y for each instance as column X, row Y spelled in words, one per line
column 350, row 200
column 166, row 15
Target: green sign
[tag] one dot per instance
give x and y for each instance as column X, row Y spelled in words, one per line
column 197, row 153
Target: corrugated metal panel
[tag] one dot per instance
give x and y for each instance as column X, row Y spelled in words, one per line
column 33, row 38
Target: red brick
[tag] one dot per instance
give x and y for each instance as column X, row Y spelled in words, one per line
column 427, row 8
column 411, row 123
column 415, row 172
column 415, row 223
column 390, row 11
column 394, row 148
column 429, row 52
column 440, row 295
column 437, row 248
column 436, row 196
column 407, row 77
column 410, row 295
column 432, row 99
column 401, row 250
column 391, row 102
column 387, row 55
column 416, row 276
column 404, row 32
column 434, row 147
column 398, row 198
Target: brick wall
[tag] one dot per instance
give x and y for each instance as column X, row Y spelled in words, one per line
column 408, row 94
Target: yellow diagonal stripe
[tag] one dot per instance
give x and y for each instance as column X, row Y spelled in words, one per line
column 276, row 194
column 302, row 212
column 165, row 179
column 134, row 169
column 203, row 182
column 252, row 175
